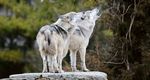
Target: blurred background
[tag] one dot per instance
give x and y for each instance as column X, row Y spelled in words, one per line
column 119, row 46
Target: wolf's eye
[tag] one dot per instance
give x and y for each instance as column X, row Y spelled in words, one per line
column 82, row 18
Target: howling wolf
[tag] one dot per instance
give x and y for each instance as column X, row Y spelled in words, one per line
column 53, row 41
column 80, row 37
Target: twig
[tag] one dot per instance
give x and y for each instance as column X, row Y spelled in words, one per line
column 113, row 56
column 131, row 24
column 113, row 62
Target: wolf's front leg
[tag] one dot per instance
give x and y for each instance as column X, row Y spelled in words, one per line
column 55, row 65
column 73, row 60
column 82, row 56
column 59, row 59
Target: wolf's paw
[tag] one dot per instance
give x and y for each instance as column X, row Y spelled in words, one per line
column 76, row 70
column 61, row 71
column 45, row 71
column 85, row 70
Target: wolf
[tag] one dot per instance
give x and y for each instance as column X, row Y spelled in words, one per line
column 53, row 40
column 80, row 37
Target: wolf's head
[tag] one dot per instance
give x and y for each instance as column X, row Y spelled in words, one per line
column 91, row 14
column 71, row 18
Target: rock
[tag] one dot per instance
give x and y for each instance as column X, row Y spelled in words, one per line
column 5, row 79
column 60, row 76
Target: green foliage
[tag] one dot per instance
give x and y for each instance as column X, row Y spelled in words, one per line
column 11, row 55
column 24, row 18
column 107, row 33
column 31, row 17
column 110, row 41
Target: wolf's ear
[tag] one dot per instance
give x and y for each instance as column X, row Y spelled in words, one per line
column 99, row 15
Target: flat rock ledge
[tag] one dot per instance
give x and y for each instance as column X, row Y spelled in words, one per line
column 60, row 76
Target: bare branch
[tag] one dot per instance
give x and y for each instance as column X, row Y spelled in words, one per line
column 128, row 8
column 128, row 34
column 127, row 64
column 113, row 56
column 118, row 7
column 113, row 62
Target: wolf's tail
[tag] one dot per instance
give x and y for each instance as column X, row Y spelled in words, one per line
column 47, row 34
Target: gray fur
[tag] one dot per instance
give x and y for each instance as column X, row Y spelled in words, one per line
column 80, row 38
column 53, row 41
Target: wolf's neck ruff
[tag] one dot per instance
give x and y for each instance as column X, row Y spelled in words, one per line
column 61, row 31
column 62, row 23
column 86, row 32
column 80, row 31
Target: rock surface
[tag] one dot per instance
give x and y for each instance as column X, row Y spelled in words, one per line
column 60, row 76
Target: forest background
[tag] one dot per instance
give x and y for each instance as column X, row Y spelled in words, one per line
column 119, row 46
